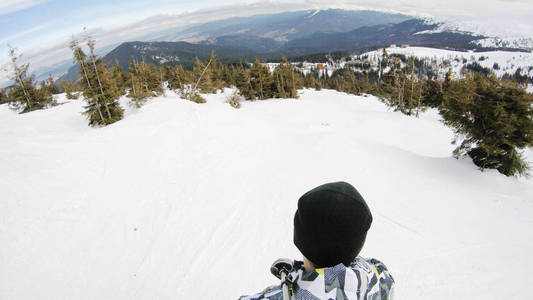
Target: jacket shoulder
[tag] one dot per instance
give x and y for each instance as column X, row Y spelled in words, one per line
column 270, row 293
column 380, row 283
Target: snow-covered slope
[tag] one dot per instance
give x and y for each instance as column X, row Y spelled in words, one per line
column 507, row 62
column 498, row 33
column 517, row 42
column 188, row 201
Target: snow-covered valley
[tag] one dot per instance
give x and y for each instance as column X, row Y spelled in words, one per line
column 186, row 201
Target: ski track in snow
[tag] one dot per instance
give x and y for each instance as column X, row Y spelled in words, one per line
column 187, row 201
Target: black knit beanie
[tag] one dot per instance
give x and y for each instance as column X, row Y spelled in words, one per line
column 331, row 223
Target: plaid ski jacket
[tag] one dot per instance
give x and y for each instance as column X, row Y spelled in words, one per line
column 364, row 279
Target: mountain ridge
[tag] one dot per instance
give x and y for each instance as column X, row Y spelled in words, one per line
column 299, row 33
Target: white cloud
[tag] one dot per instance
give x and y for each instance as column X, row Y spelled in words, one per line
column 10, row 6
column 7, row 39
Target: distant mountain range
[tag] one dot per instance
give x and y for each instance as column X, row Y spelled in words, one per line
column 173, row 53
column 290, row 34
column 282, row 26
column 414, row 32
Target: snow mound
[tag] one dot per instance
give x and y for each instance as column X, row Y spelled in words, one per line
column 187, row 201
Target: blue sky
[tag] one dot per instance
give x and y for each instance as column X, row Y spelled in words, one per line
column 41, row 29
column 33, row 23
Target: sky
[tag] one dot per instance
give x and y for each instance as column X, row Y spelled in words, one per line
column 33, row 23
column 41, row 29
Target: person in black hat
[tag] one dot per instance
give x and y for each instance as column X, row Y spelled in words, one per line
column 330, row 224
column 330, row 228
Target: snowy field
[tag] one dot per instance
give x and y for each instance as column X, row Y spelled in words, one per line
column 508, row 62
column 188, row 201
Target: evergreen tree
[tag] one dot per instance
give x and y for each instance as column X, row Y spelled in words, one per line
column 49, row 86
column 23, row 95
column 80, row 58
column 217, row 72
column 70, row 89
column 411, row 88
column 346, row 81
column 242, row 82
column 287, row 82
column 261, row 81
column 432, row 94
column 202, row 81
column 99, row 89
column 119, row 77
column 145, row 81
column 312, row 82
column 3, row 97
column 169, row 75
column 177, row 77
column 229, row 75
column 366, row 86
column 202, row 76
column 496, row 119
column 138, row 93
column 383, row 63
column 390, row 87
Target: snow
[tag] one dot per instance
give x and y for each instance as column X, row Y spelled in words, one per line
column 165, row 59
column 442, row 26
column 186, row 201
column 516, row 42
column 514, row 34
column 313, row 14
column 322, row 69
column 507, row 61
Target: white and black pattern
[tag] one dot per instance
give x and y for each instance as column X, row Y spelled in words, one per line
column 364, row 279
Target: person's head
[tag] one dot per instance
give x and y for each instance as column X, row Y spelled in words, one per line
column 330, row 224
